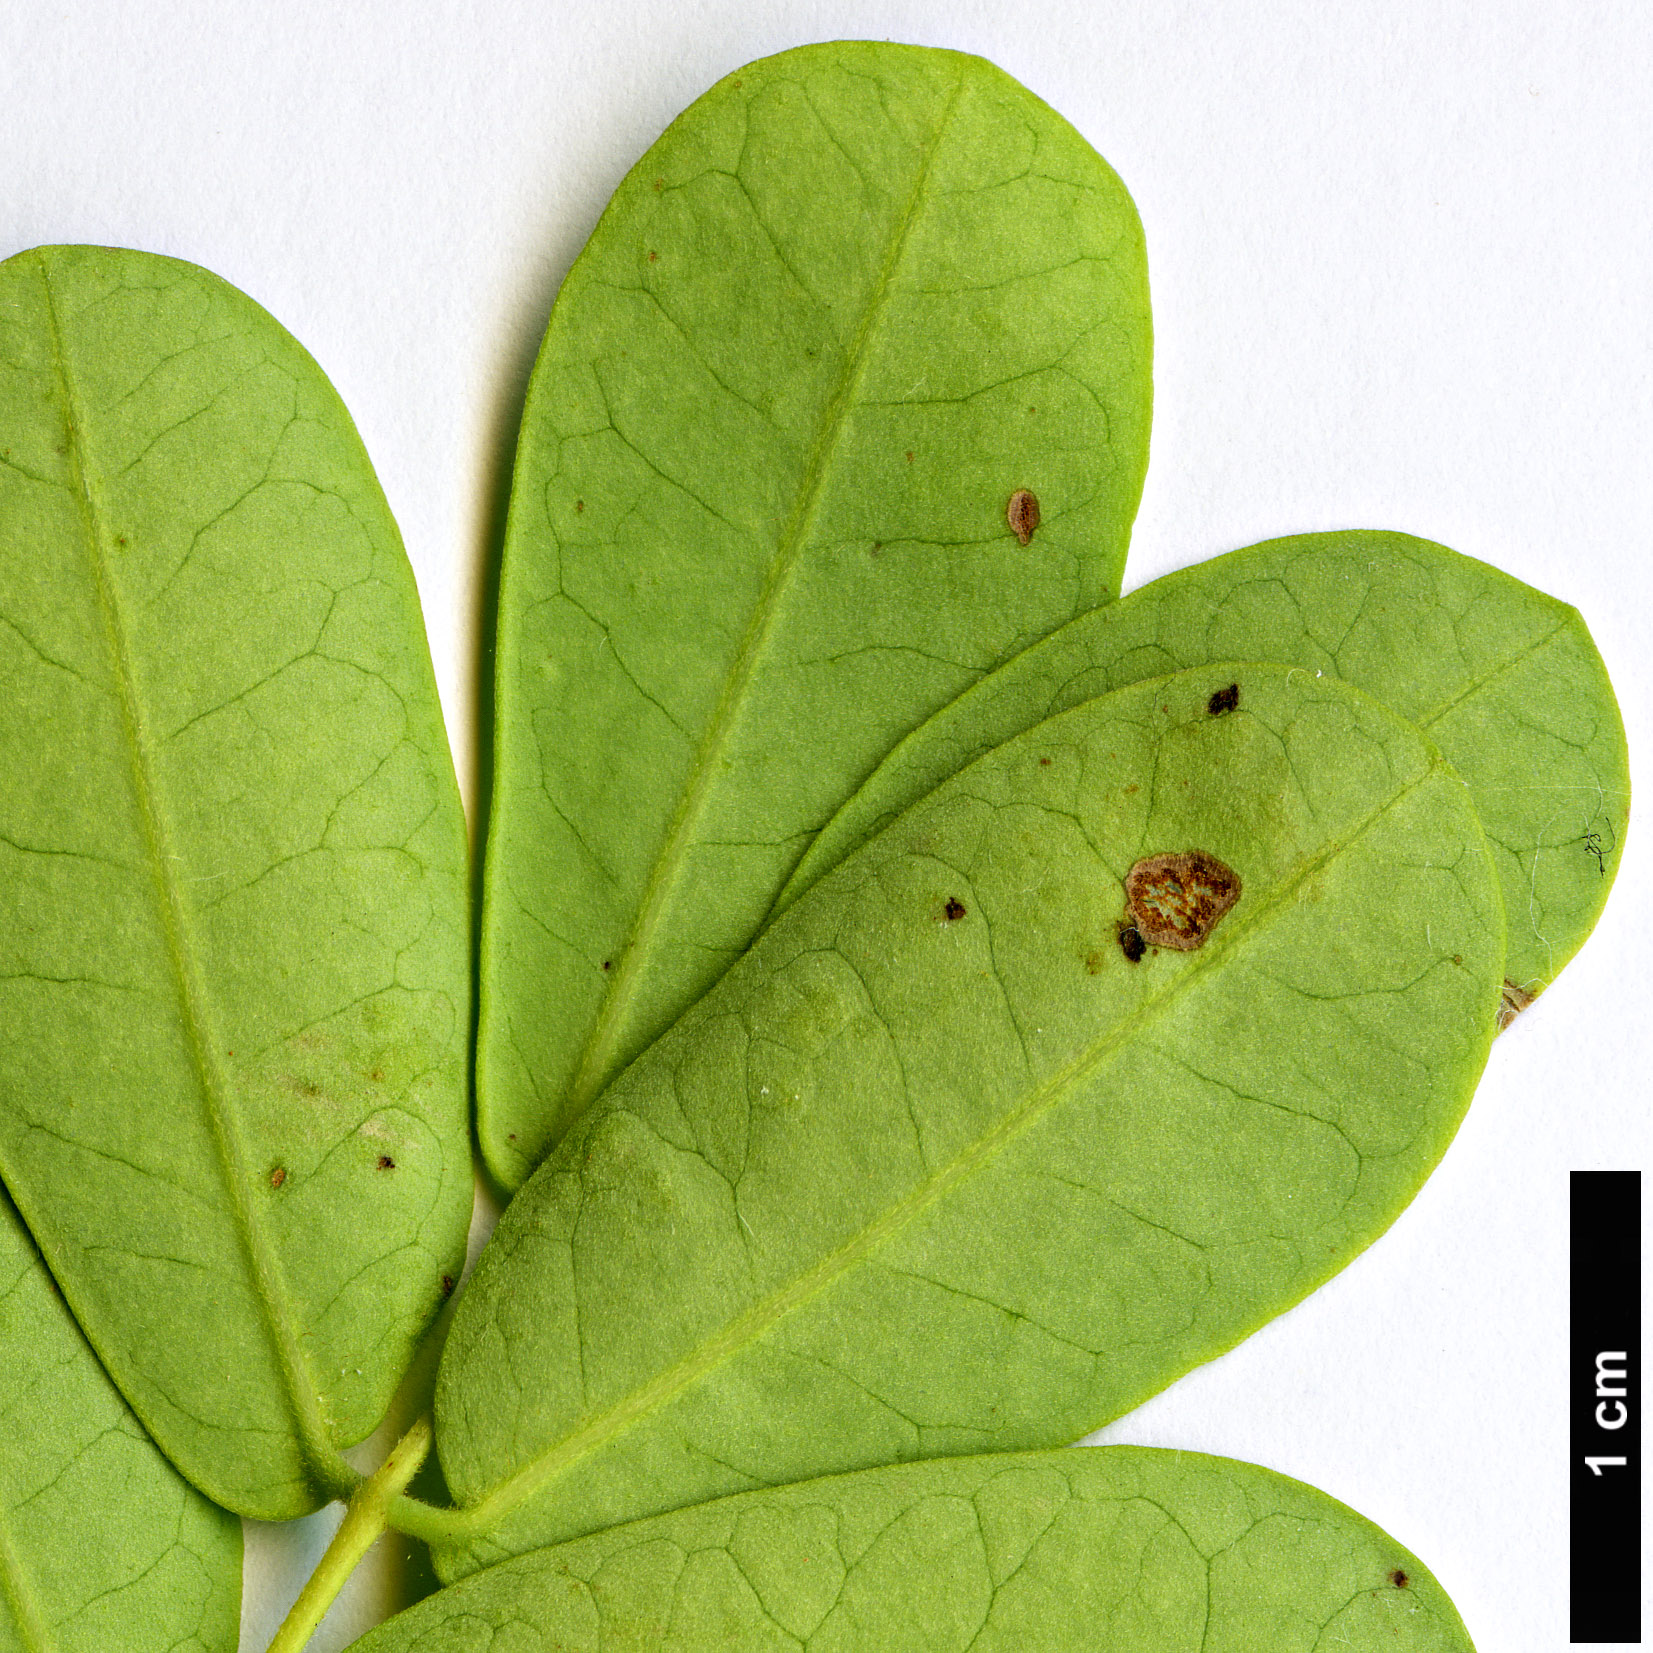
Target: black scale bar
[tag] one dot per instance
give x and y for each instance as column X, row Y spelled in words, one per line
column 1604, row 1398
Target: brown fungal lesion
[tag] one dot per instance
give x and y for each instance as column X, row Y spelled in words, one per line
column 1176, row 901
column 1131, row 943
column 278, row 1176
column 1512, row 1000
column 1022, row 513
column 1224, row 700
column 1399, row 1579
column 386, row 1163
column 953, row 911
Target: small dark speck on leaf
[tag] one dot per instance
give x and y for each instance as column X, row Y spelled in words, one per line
column 447, row 1285
column 386, row 1163
column 1224, row 700
column 877, row 546
column 1093, row 963
column 1131, row 943
column 511, row 1136
column 659, row 183
column 654, row 258
column 1457, row 958
column 608, row 964
column 1399, row 1579
column 579, row 505
column 120, row 539
column 1022, row 513
column 1135, row 786
column 909, row 456
column 278, row 1176
column 954, row 910
column 1044, row 763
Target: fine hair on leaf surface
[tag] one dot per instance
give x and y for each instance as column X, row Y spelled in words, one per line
column 853, row 302
column 904, row 1185
column 233, row 864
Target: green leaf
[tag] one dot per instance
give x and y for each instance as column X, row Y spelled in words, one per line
column 937, row 1168
column 853, row 301
column 1504, row 679
column 1101, row 1549
column 102, row 1545
column 233, row 940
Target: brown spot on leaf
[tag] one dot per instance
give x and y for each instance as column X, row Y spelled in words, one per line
column 1224, row 700
column 654, row 258
column 386, row 1163
column 1512, row 1000
column 1176, row 901
column 608, row 964
column 579, row 505
column 1399, row 1579
column 1093, row 964
column 909, row 456
column 447, row 1285
column 1135, row 786
column 278, row 1176
column 1022, row 513
column 1044, row 763
column 511, row 1136
column 120, row 539
column 377, row 1076
column 1131, row 943
column 954, row 910
column 659, row 183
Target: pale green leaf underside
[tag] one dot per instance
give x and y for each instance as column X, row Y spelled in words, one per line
column 853, row 299
column 233, row 941
column 1504, row 679
column 915, row 1181
column 102, row 1545
column 1095, row 1550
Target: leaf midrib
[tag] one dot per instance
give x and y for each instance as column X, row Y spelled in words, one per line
column 300, row 1392
column 1428, row 718
column 478, row 1518
column 591, row 1074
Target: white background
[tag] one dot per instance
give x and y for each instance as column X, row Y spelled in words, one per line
column 1400, row 255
